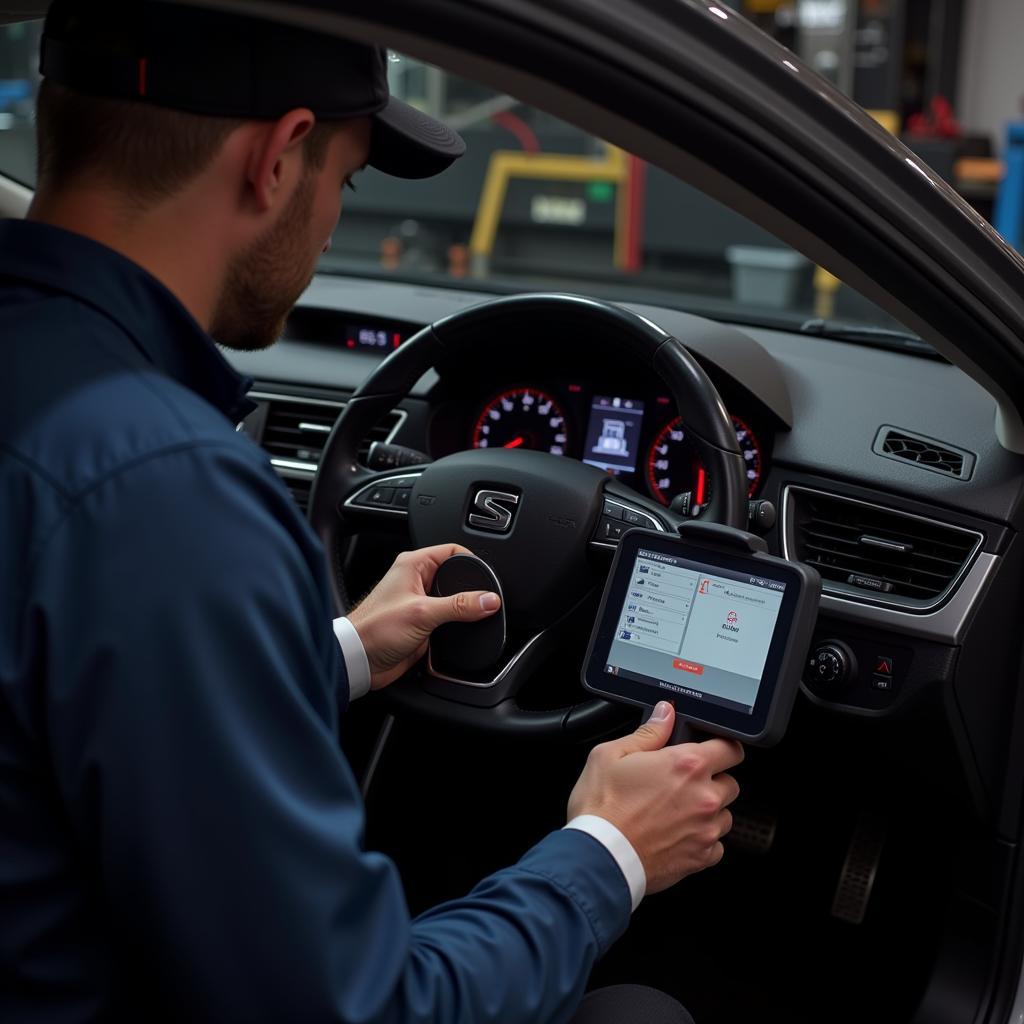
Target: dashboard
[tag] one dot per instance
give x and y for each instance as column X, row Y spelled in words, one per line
column 622, row 422
column 635, row 434
column 917, row 554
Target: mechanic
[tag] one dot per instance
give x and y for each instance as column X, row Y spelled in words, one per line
column 181, row 835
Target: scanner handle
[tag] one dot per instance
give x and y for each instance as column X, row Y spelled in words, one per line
column 682, row 731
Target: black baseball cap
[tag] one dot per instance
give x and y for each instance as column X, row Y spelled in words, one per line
column 226, row 65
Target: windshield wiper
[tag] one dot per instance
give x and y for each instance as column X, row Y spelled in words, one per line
column 883, row 337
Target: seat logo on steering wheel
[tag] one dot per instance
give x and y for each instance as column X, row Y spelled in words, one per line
column 493, row 510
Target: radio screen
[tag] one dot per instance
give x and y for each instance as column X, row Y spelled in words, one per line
column 704, row 634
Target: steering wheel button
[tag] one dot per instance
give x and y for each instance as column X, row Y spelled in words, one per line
column 634, row 518
column 382, row 496
column 612, row 510
column 402, row 496
column 611, row 529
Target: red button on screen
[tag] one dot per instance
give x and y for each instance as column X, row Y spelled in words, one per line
column 688, row 666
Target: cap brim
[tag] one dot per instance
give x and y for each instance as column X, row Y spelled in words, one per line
column 407, row 143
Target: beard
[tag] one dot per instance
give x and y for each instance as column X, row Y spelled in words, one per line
column 263, row 283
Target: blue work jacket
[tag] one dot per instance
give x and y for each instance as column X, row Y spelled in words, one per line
column 180, row 834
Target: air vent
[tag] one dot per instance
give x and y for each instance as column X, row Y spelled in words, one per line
column 295, row 431
column 864, row 551
column 925, row 452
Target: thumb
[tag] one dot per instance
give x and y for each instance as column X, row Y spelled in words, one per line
column 652, row 735
column 465, row 606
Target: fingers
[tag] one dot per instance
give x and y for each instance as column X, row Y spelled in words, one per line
column 723, row 823
column 720, row 828
column 652, row 735
column 426, row 561
column 727, row 787
column 720, row 755
column 466, row 606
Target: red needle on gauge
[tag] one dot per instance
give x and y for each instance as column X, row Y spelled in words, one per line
column 514, row 443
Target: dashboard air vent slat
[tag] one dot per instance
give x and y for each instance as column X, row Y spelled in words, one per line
column 295, row 430
column 843, row 548
column 926, row 452
column 916, row 566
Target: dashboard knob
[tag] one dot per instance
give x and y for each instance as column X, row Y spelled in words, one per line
column 761, row 515
column 832, row 664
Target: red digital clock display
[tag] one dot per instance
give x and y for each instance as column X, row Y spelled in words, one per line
column 372, row 338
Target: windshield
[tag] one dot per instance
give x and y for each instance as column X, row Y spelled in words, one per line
column 534, row 203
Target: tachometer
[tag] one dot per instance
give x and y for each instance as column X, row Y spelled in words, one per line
column 522, row 418
column 673, row 466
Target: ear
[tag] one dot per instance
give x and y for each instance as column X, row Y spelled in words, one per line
column 275, row 159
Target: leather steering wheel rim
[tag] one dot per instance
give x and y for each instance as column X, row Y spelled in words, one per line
column 340, row 475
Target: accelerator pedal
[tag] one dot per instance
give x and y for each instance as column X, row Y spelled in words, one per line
column 857, row 878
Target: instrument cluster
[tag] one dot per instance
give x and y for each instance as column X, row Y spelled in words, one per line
column 638, row 438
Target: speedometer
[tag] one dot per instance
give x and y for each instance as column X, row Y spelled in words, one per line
column 522, row 418
column 673, row 466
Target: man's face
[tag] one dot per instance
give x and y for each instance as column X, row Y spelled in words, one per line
column 265, row 281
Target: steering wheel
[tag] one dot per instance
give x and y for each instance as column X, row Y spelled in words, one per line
column 549, row 523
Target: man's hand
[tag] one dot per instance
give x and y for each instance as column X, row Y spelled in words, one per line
column 395, row 619
column 669, row 802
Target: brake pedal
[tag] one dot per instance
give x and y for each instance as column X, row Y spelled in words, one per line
column 857, row 878
column 753, row 830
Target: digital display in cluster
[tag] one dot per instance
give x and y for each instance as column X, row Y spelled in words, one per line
column 372, row 337
column 613, row 434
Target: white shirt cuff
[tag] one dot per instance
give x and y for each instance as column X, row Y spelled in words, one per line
column 621, row 850
column 354, row 653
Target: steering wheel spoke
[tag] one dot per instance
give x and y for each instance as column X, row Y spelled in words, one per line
column 385, row 497
column 620, row 513
column 497, row 685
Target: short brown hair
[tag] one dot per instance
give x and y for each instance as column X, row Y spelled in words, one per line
column 149, row 152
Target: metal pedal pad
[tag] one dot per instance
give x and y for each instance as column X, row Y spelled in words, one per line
column 753, row 830
column 857, row 878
